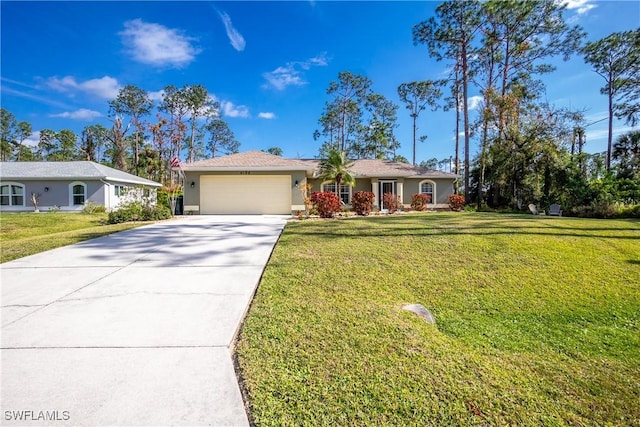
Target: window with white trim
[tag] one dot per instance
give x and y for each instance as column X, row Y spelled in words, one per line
column 12, row 194
column 345, row 191
column 119, row 190
column 429, row 188
column 78, row 193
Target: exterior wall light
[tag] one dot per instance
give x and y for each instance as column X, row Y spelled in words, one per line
column 193, row 184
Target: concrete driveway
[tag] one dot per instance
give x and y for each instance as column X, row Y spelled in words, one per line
column 133, row 328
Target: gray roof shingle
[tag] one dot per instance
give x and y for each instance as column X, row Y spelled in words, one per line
column 364, row 168
column 68, row 170
column 378, row 168
column 248, row 159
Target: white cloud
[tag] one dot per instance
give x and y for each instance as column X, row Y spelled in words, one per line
column 156, row 96
column 581, row 6
column 267, row 115
column 597, row 117
column 474, row 102
column 231, row 110
column 236, row 39
column 81, row 114
column 33, row 140
column 291, row 73
column 105, row 87
column 156, row 44
column 23, row 94
column 318, row 61
column 282, row 77
column 603, row 133
column 63, row 84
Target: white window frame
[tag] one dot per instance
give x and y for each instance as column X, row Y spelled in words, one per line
column 72, row 194
column 11, row 194
column 342, row 188
column 120, row 190
column 433, row 188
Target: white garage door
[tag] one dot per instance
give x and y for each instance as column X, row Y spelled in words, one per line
column 245, row 194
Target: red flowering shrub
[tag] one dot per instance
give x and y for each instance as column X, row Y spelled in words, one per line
column 390, row 202
column 326, row 202
column 420, row 201
column 456, row 202
column 362, row 202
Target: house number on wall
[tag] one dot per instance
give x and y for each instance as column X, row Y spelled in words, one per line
column 245, row 173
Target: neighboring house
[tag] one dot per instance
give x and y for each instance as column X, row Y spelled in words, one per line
column 255, row 182
column 69, row 185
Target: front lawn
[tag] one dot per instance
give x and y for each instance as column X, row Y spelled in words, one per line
column 28, row 233
column 537, row 323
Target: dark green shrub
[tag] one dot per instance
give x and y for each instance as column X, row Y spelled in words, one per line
column 420, row 201
column 606, row 210
column 155, row 213
column 630, row 211
column 362, row 202
column 163, row 199
column 120, row 216
column 136, row 211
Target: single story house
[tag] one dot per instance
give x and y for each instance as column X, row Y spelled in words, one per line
column 255, row 182
column 69, row 185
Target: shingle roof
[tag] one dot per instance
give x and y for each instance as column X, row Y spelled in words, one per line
column 377, row 168
column 364, row 168
column 248, row 159
column 387, row 168
column 68, row 170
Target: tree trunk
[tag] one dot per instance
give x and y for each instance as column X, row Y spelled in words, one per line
column 342, row 131
column 136, row 151
column 191, row 149
column 610, row 137
column 465, row 104
column 503, row 92
column 457, row 94
column 414, row 138
column 136, row 155
column 483, row 165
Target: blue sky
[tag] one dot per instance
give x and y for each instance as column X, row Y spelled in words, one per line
column 268, row 63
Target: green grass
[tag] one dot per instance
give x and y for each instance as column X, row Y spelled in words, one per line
column 537, row 323
column 23, row 234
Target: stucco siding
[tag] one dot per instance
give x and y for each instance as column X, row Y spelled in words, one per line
column 410, row 186
column 192, row 194
column 443, row 189
column 362, row 184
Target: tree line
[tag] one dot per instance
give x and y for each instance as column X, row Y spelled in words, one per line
column 529, row 150
column 187, row 120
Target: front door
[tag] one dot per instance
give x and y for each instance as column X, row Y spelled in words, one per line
column 386, row 187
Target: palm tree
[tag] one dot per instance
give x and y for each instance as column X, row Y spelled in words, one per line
column 336, row 168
